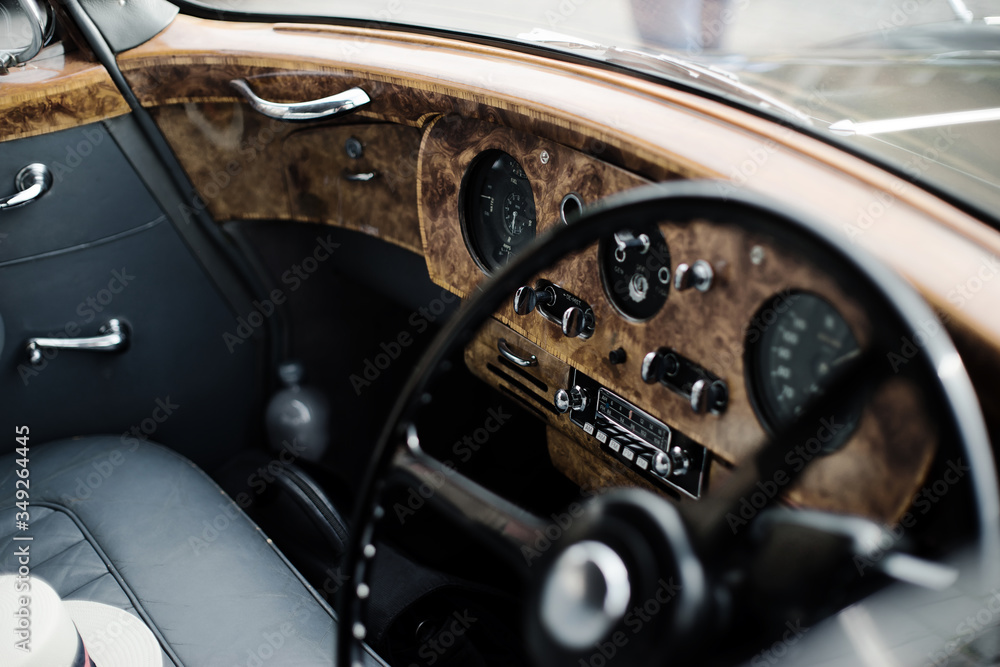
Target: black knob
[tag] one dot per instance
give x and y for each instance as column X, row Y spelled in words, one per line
column 573, row 322
column 718, row 396
column 526, row 298
column 617, row 356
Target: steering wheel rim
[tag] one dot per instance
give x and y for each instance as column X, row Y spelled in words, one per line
column 961, row 404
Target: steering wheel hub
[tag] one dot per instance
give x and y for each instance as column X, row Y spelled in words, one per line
column 585, row 594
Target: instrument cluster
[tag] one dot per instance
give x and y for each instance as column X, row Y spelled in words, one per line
column 793, row 345
column 665, row 354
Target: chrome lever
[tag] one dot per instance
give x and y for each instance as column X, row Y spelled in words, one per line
column 112, row 337
column 513, row 357
column 32, row 182
column 335, row 105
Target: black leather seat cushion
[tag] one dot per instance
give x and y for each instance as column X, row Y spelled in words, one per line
column 139, row 527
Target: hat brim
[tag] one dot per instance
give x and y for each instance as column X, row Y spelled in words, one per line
column 114, row 637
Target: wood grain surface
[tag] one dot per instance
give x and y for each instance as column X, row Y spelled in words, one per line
column 56, row 91
column 317, row 168
column 890, row 450
column 450, row 146
column 247, row 167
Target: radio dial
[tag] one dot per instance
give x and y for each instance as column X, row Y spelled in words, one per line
column 574, row 399
column 674, row 463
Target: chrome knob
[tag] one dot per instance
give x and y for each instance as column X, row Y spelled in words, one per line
column 699, row 396
column 526, row 298
column 578, row 398
column 698, row 276
column 680, row 461
column 561, row 401
column 662, row 465
column 572, row 399
column 573, row 322
column 658, row 365
column 585, row 594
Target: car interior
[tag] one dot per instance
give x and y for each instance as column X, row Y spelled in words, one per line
column 334, row 334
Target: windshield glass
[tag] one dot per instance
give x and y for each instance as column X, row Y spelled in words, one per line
column 926, row 67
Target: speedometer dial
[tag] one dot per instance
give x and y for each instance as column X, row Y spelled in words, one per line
column 498, row 209
column 795, row 345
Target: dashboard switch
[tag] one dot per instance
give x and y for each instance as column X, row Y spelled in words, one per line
column 573, row 322
column 718, row 397
column 617, row 356
column 699, row 396
column 575, row 399
column 526, row 298
column 578, row 398
column 662, row 465
column 625, row 240
column 659, row 364
column 681, row 462
column 562, row 401
column 698, row 276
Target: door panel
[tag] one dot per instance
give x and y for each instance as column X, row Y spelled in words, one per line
column 94, row 193
column 98, row 246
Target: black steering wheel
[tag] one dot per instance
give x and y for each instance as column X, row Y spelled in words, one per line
column 632, row 547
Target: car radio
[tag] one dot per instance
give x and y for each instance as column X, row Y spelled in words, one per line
column 632, row 436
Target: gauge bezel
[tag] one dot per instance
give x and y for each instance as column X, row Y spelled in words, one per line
column 753, row 377
column 481, row 161
column 609, row 294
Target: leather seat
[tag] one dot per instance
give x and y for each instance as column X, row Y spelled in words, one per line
column 137, row 526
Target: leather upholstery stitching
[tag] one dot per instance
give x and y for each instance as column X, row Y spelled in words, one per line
column 113, row 571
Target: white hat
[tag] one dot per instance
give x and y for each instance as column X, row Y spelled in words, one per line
column 37, row 628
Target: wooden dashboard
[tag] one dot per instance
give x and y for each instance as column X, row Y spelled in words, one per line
column 437, row 103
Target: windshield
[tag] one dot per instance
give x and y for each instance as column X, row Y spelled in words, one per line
column 926, row 67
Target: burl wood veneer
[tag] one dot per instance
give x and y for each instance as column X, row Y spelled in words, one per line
column 451, row 144
column 56, row 91
column 888, row 454
column 248, row 167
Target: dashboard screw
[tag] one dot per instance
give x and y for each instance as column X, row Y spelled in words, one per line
column 757, row 255
column 544, row 157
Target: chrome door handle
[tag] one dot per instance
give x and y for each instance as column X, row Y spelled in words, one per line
column 335, row 105
column 32, row 182
column 112, row 337
column 513, row 357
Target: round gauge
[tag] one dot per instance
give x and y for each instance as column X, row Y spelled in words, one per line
column 635, row 268
column 498, row 209
column 795, row 345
